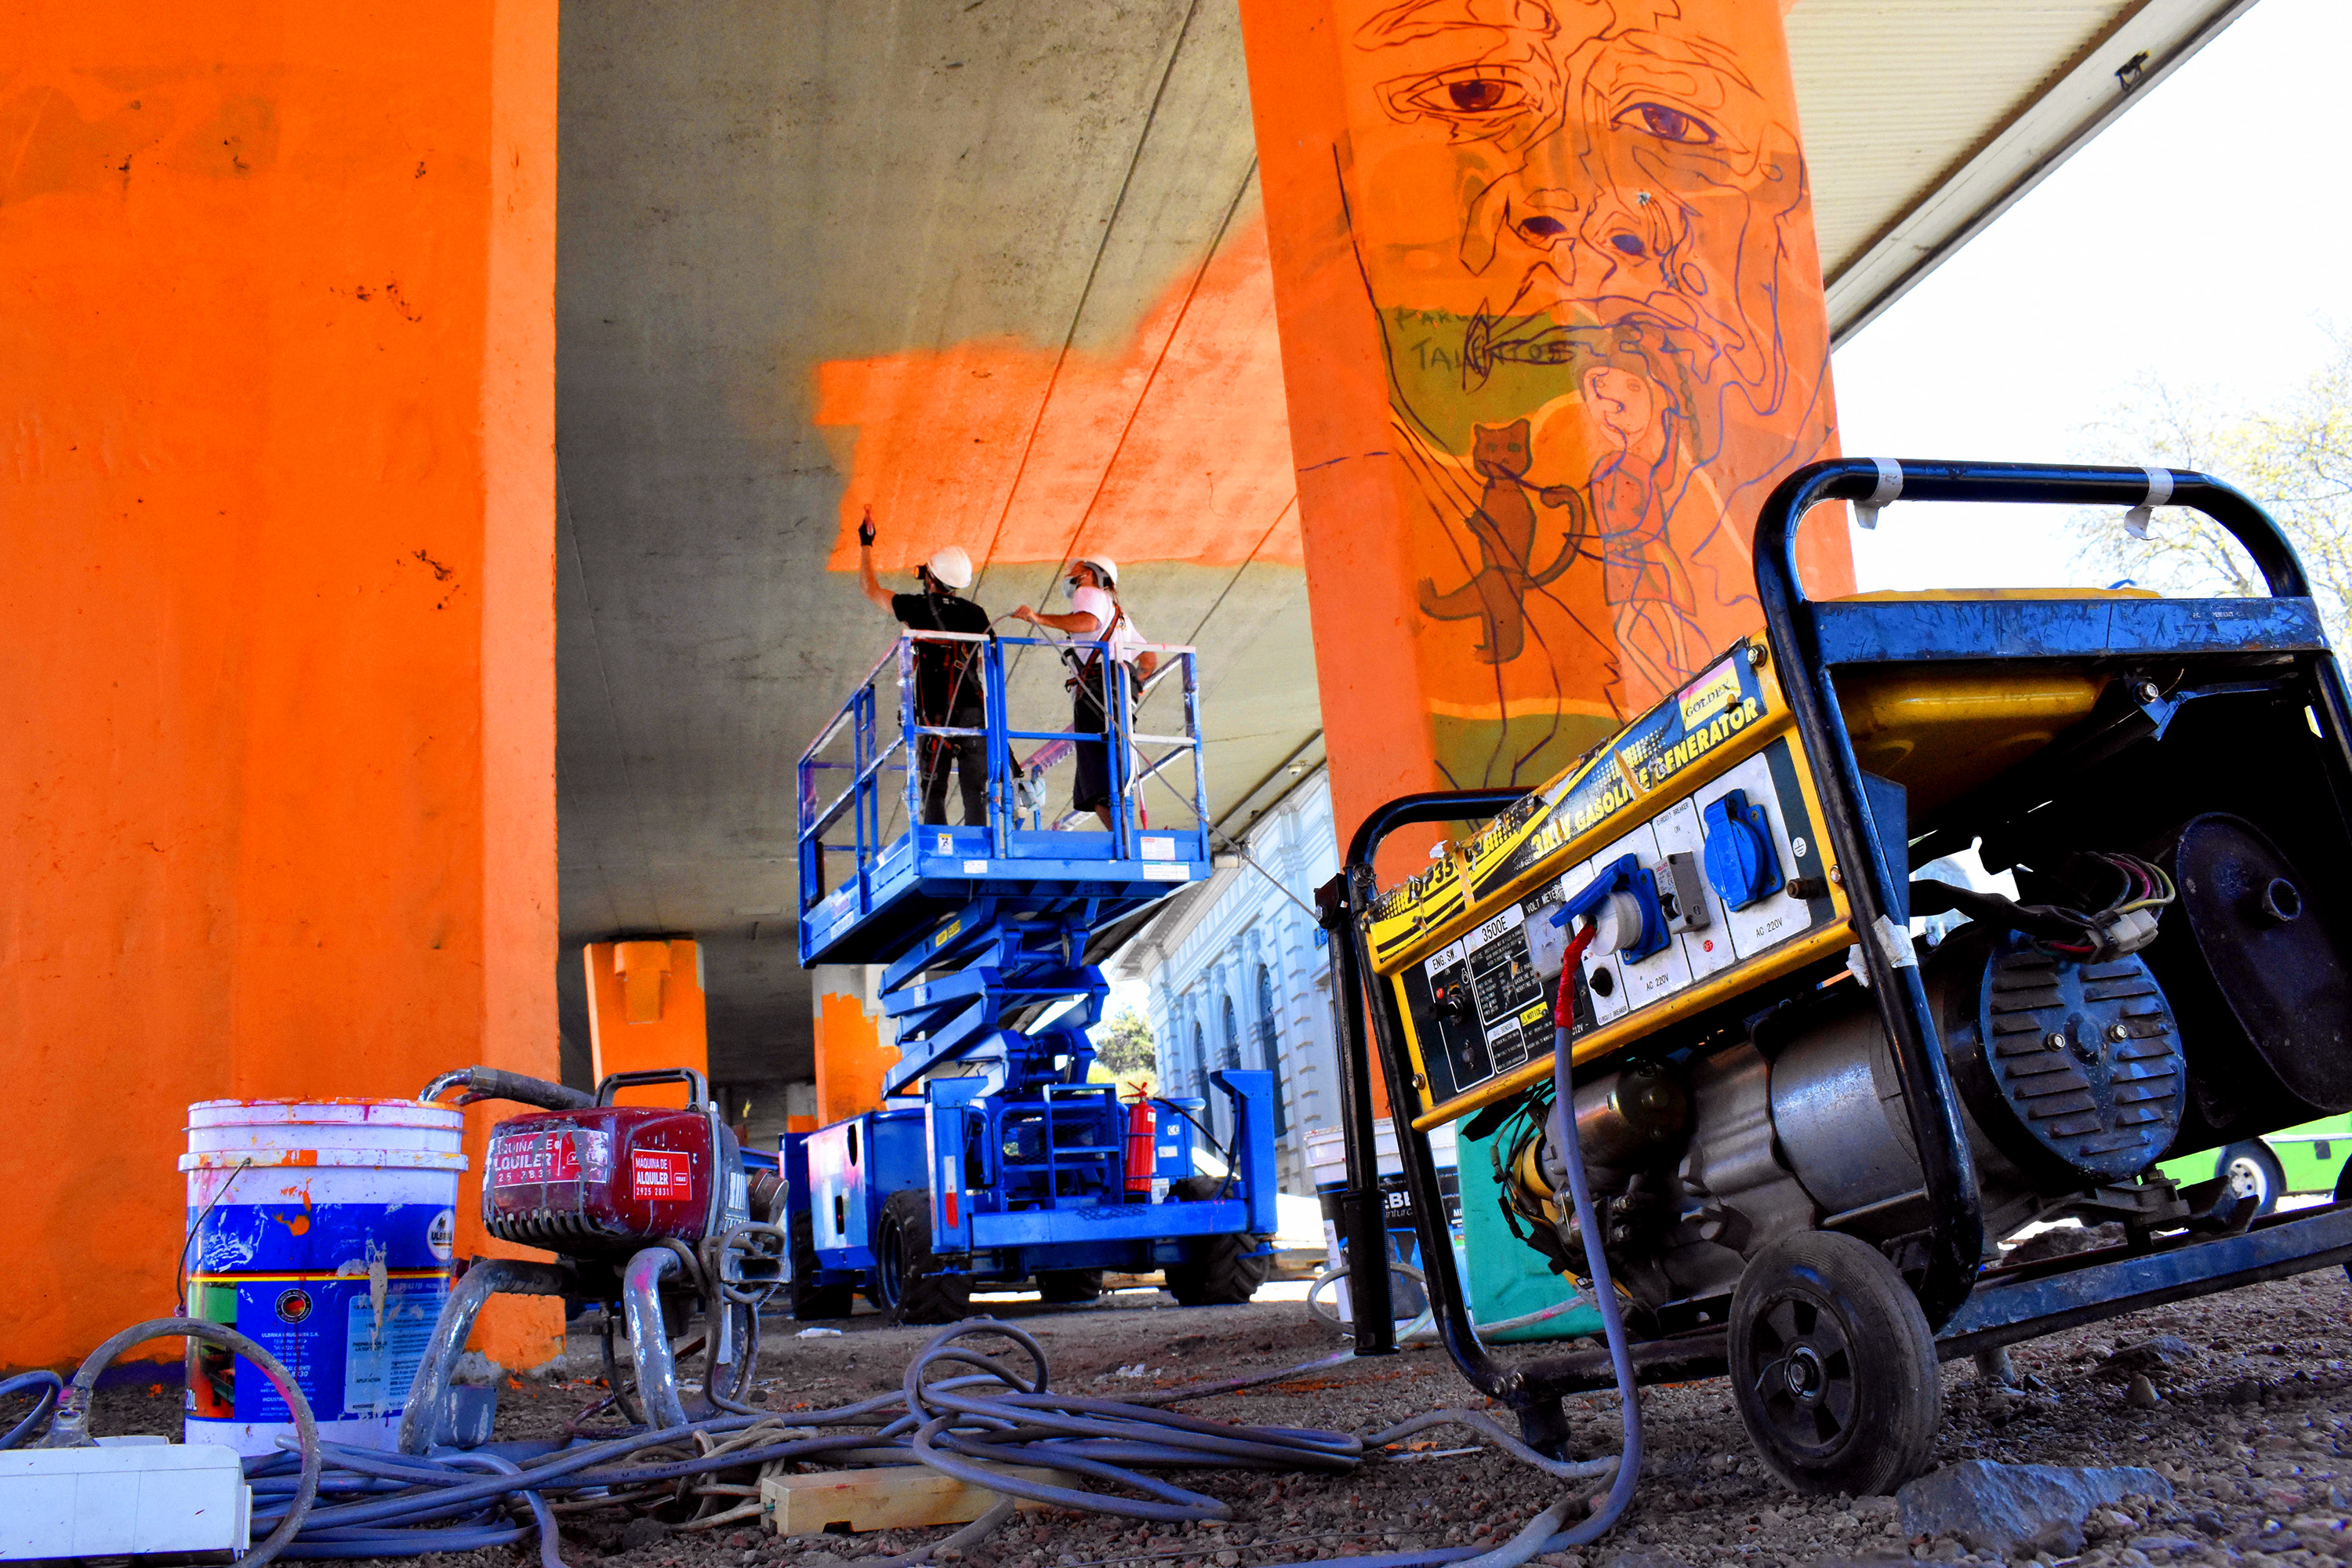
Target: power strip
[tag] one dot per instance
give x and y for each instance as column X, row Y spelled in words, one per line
column 123, row 1498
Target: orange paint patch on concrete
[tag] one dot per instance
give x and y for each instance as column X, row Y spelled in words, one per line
column 851, row 1059
column 1176, row 448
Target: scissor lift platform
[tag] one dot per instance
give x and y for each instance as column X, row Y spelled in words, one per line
column 898, row 883
column 928, row 874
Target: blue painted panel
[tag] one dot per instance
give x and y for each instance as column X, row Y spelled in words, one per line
column 1126, row 1222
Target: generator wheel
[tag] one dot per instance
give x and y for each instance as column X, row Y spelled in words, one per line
column 1070, row 1287
column 1219, row 1272
column 2253, row 1167
column 1834, row 1366
column 906, row 1276
column 811, row 1299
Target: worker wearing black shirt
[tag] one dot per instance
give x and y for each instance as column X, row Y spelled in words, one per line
column 948, row 686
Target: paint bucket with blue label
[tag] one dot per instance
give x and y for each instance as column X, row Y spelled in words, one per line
column 324, row 1229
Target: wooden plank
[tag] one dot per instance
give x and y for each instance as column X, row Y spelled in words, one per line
column 896, row 1497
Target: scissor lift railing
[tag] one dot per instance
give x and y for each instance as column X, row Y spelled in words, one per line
column 874, row 880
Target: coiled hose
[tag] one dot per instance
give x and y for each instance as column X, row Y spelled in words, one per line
column 956, row 1405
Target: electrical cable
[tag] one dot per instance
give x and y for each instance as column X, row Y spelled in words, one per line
column 1219, row 1150
column 956, row 1405
column 1604, row 1289
column 70, row 1428
column 50, row 1385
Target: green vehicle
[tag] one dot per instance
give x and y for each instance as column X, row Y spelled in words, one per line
column 2316, row 1157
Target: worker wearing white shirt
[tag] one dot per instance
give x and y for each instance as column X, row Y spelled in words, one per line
column 1095, row 616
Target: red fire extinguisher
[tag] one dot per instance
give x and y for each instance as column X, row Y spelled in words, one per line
column 1142, row 1128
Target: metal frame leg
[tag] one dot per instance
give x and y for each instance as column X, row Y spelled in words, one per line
column 423, row 1420
column 649, row 1338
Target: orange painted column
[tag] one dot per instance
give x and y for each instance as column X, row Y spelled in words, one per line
column 647, row 1013
column 1552, row 325
column 851, row 1058
column 276, row 571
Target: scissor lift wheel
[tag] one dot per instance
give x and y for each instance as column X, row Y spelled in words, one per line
column 1222, row 1270
column 908, row 1279
column 1833, row 1365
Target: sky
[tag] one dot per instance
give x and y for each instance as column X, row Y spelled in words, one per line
column 2205, row 236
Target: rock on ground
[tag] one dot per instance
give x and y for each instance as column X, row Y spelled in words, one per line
column 1995, row 1507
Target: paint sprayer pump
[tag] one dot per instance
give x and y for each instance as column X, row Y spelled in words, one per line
column 646, row 1206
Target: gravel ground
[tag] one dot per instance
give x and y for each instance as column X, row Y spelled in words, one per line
column 2251, row 1421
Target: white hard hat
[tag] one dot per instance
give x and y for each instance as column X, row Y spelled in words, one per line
column 951, row 568
column 1105, row 567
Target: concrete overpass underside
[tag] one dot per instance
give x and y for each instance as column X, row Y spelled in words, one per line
column 999, row 269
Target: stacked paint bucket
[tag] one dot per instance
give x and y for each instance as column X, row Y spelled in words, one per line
column 324, row 1229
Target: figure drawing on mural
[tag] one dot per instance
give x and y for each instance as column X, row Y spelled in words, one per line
column 1503, row 523
column 1579, row 222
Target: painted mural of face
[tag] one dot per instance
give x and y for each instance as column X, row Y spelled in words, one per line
column 1583, row 213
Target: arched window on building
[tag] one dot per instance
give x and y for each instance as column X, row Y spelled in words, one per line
column 1232, row 1040
column 1269, row 1045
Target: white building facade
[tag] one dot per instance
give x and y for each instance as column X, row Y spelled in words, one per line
column 1239, row 976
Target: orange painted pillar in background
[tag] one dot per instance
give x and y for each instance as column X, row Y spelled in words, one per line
column 1552, row 325
column 851, row 1059
column 647, row 1012
column 276, row 571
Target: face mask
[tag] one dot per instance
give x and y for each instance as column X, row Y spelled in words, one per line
column 1070, row 589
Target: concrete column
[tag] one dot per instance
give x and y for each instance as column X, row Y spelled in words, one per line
column 1552, row 324
column 277, row 575
column 646, row 1012
column 852, row 1053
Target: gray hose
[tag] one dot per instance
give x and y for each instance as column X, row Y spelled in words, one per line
column 1492, row 1431
column 71, row 1428
column 1532, row 1540
column 1613, row 1320
column 542, row 1515
column 971, row 1534
column 497, row 1083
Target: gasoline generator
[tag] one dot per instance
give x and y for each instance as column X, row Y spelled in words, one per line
column 649, row 1210
column 1808, row 1128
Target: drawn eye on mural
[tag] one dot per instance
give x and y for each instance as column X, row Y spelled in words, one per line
column 1666, row 124
column 1576, row 222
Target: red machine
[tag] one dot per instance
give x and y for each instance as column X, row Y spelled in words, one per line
column 600, row 1182
column 648, row 1208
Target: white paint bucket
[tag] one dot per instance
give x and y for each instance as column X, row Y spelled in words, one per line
column 324, row 1229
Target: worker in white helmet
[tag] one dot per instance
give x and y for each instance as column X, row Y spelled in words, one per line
column 948, row 682
column 1097, row 618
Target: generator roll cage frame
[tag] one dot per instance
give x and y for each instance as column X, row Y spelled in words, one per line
column 1809, row 639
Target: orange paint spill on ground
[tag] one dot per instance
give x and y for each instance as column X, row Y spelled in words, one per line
column 1201, row 475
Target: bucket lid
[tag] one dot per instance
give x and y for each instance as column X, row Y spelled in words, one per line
column 324, row 1159
column 346, row 1112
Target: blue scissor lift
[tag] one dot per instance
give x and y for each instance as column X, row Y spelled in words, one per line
column 993, row 1157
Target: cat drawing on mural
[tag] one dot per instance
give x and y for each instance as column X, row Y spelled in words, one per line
column 1503, row 523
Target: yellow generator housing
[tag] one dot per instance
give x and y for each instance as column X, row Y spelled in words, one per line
column 1908, row 922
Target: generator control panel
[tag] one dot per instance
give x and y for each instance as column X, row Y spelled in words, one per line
column 1700, row 820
